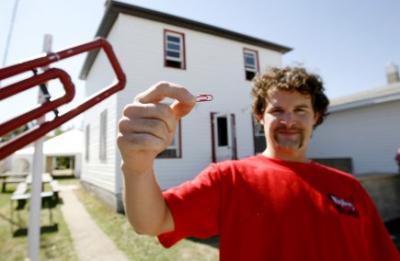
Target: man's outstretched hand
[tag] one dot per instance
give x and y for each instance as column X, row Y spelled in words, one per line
column 147, row 126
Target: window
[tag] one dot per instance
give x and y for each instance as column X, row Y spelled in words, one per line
column 174, row 150
column 64, row 162
column 222, row 129
column 87, row 142
column 174, row 49
column 103, row 136
column 250, row 63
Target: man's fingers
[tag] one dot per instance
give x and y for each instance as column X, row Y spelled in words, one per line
column 134, row 142
column 151, row 111
column 185, row 101
column 148, row 126
column 154, row 127
column 162, row 90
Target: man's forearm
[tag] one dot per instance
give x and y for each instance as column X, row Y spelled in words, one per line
column 147, row 128
column 144, row 204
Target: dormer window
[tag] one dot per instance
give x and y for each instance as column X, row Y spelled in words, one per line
column 251, row 66
column 174, row 49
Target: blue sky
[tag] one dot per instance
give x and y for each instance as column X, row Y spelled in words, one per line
column 348, row 43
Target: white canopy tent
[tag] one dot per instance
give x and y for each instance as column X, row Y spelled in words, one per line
column 67, row 144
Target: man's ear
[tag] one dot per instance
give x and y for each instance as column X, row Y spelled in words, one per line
column 316, row 118
column 260, row 119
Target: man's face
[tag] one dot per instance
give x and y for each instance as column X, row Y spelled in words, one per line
column 288, row 123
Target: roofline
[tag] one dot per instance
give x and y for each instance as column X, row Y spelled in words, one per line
column 114, row 8
column 365, row 102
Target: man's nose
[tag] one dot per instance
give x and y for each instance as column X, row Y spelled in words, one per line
column 288, row 119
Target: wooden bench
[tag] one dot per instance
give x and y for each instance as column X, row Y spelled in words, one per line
column 55, row 188
column 11, row 179
column 21, row 196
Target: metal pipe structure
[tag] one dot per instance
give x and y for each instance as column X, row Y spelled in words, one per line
column 51, row 74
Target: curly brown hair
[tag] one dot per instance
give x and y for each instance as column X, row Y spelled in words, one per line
column 289, row 79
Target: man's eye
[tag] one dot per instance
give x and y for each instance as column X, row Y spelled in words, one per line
column 276, row 111
column 301, row 111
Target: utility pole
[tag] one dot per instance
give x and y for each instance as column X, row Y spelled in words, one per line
column 36, row 186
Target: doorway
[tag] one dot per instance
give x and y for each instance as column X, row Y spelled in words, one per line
column 223, row 127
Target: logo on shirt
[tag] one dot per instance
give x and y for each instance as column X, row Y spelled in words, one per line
column 344, row 206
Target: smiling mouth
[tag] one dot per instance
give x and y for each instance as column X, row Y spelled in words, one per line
column 289, row 133
column 289, row 138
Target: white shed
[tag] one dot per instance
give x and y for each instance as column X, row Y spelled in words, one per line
column 67, row 146
column 364, row 127
column 153, row 46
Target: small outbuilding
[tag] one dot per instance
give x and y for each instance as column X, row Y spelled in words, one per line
column 62, row 153
column 362, row 132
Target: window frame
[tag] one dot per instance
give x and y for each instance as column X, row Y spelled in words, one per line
column 247, row 69
column 182, row 50
column 177, row 147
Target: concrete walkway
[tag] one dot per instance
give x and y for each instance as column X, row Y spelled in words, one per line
column 90, row 242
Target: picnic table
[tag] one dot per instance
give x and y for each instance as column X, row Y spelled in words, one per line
column 46, row 178
column 21, row 196
column 11, row 178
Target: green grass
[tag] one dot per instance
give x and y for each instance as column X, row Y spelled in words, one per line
column 55, row 240
column 67, row 180
column 139, row 247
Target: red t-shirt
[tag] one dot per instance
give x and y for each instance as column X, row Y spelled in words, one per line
column 269, row 209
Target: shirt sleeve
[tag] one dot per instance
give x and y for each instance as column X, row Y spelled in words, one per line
column 194, row 206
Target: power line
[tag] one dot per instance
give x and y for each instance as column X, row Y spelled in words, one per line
column 10, row 31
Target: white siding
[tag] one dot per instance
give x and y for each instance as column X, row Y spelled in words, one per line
column 369, row 135
column 213, row 65
column 94, row 171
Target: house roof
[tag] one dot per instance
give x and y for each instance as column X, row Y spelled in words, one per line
column 114, row 8
column 370, row 97
column 67, row 143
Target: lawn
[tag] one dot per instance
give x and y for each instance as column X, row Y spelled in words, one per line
column 139, row 247
column 55, row 240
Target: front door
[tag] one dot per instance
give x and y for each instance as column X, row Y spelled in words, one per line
column 224, row 142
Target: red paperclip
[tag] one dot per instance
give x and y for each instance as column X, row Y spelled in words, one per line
column 204, row 97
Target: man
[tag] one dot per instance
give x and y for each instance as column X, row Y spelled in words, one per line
column 274, row 206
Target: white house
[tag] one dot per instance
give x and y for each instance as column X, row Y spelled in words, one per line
column 363, row 127
column 153, row 46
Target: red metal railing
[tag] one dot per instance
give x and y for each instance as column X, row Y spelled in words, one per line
column 51, row 74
